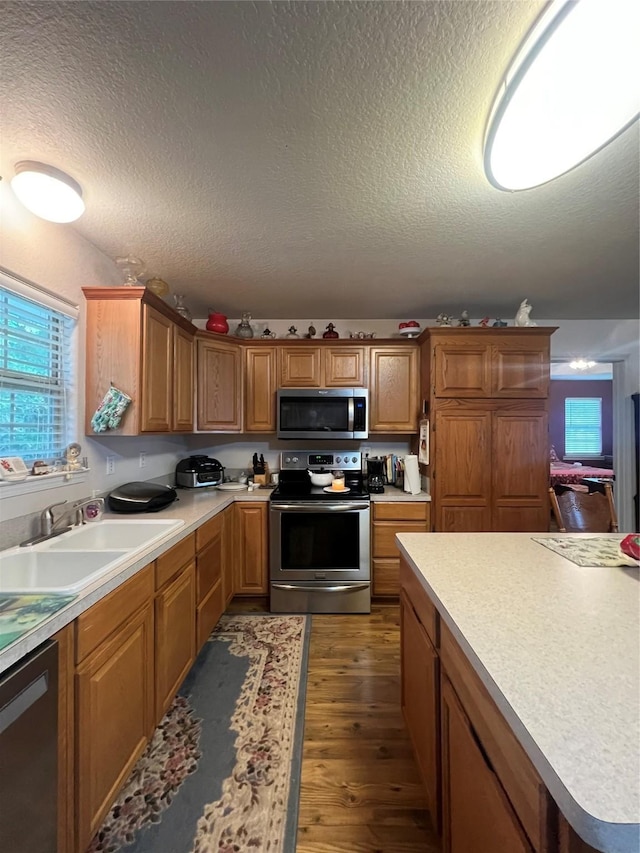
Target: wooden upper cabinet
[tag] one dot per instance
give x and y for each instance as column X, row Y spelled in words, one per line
column 136, row 342
column 157, row 372
column 261, row 382
column 183, row 381
column 393, row 389
column 344, row 367
column 483, row 363
column 300, row 367
column 219, row 370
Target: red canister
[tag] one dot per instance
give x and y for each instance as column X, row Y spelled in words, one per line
column 217, row 323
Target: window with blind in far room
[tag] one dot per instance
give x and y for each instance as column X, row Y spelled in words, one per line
column 35, row 376
column 583, row 426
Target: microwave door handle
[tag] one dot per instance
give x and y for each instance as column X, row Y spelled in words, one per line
column 351, row 411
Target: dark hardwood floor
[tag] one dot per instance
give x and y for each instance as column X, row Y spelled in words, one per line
column 360, row 789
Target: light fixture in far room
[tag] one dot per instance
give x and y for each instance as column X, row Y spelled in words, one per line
column 570, row 90
column 48, row 192
column 581, row 364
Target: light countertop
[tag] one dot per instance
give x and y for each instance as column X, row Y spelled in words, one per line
column 194, row 507
column 393, row 494
column 558, row 648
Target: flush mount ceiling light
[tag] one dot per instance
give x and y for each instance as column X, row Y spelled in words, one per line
column 581, row 364
column 47, row 192
column 571, row 88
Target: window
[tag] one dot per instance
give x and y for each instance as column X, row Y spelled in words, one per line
column 35, row 371
column 583, row 426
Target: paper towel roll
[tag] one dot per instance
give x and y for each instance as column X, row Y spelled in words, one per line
column 411, row 474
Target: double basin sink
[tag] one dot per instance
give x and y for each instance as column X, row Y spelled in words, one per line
column 68, row 563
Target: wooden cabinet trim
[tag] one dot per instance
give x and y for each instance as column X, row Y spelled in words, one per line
column 66, row 739
column 105, row 616
column 209, row 612
column 421, row 603
column 170, row 563
column 513, row 767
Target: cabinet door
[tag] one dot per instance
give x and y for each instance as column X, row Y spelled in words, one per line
column 520, row 370
column 520, row 471
column 462, row 484
column 228, row 550
column 393, row 389
column 183, row 384
column 260, row 389
column 420, row 701
column 114, row 719
column 462, row 370
column 175, row 636
column 344, row 367
column 477, row 816
column 219, row 372
column 300, row 367
column 251, row 549
column 157, row 371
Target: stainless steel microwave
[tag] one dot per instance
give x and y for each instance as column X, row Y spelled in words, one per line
column 321, row 413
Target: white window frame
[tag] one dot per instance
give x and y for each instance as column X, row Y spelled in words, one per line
column 594, row 423
column 28, row 290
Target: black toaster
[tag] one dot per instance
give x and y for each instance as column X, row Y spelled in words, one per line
column 198, row 471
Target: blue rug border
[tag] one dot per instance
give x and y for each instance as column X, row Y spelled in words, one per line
column 290, row 837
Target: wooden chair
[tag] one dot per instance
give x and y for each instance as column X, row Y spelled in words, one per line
column 581, row 512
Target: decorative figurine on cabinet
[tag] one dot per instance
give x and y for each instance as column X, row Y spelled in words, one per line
column 330, row 333
column 267, row 334
column 311, row 333
column 522, row 317
column 444, row 320
column 499, row 324
column 464, row 319
column 484, row 322
column 293, row 332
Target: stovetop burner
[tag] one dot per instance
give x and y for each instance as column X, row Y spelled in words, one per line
column 295, row 483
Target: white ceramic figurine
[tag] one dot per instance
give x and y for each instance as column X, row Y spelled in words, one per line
column 522, row 317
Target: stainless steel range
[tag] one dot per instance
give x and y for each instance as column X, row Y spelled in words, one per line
column 319, row 538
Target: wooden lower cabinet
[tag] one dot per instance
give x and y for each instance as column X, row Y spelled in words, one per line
column 175, row 636
column 114, row 716
column 64, row 639
column 251, row 548
column 477, row 815
column 210, row 595
column 228, row 546
column 388, row 519
column 421, row 702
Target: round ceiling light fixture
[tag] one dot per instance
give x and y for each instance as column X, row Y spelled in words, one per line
column 571, row 89
column 48, row 192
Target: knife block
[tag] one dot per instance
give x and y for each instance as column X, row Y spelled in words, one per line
column 262, row 479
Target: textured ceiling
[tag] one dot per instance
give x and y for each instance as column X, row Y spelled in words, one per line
column 312, row 159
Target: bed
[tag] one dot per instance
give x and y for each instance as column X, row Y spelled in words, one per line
column 564, row 474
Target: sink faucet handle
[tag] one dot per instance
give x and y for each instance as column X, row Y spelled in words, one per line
column 46, row 517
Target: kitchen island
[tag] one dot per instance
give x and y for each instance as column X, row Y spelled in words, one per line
column 557, row 648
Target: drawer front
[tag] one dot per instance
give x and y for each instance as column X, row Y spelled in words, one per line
column 401, row 511
column 420, row 601
column 208, row 614
column 174, row 559
column 525, row 789
column 384, row 536
column 95, row 624
column 386, row 577
column 209, row 568
column 208, row 531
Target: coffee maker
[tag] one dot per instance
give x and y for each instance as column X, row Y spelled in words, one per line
column 375, row 474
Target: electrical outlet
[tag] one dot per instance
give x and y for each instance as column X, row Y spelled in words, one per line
column 111, row 464
column 366, row 451
column 143, row 458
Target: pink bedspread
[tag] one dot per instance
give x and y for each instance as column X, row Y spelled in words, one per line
column 564, row 474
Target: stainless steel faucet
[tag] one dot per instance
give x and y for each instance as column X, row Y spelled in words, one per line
column 47, row 522
column 74, row 516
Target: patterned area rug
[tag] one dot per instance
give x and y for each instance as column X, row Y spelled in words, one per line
column 222, row 771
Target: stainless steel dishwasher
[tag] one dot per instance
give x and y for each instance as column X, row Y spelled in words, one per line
column 29, row 753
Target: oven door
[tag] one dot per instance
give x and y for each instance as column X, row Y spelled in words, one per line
column 319, row 557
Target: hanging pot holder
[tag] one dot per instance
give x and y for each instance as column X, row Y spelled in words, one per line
column 110, row 411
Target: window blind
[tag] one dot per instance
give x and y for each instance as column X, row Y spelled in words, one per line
column 583, row 426
column 35, row 375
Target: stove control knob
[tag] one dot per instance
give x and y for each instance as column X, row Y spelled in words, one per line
column 354, row 459
column 294, row 459
column 338, row 459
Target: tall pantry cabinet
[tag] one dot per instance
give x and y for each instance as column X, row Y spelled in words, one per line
column 486, row 396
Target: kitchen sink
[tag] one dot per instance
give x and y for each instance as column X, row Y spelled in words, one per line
column 54, row 571
column 73, row 560
column 109, row 535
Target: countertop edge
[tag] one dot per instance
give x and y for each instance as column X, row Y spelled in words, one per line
column 602, row 835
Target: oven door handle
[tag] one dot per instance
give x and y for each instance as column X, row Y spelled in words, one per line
column 320, row 506
column 338, row 588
